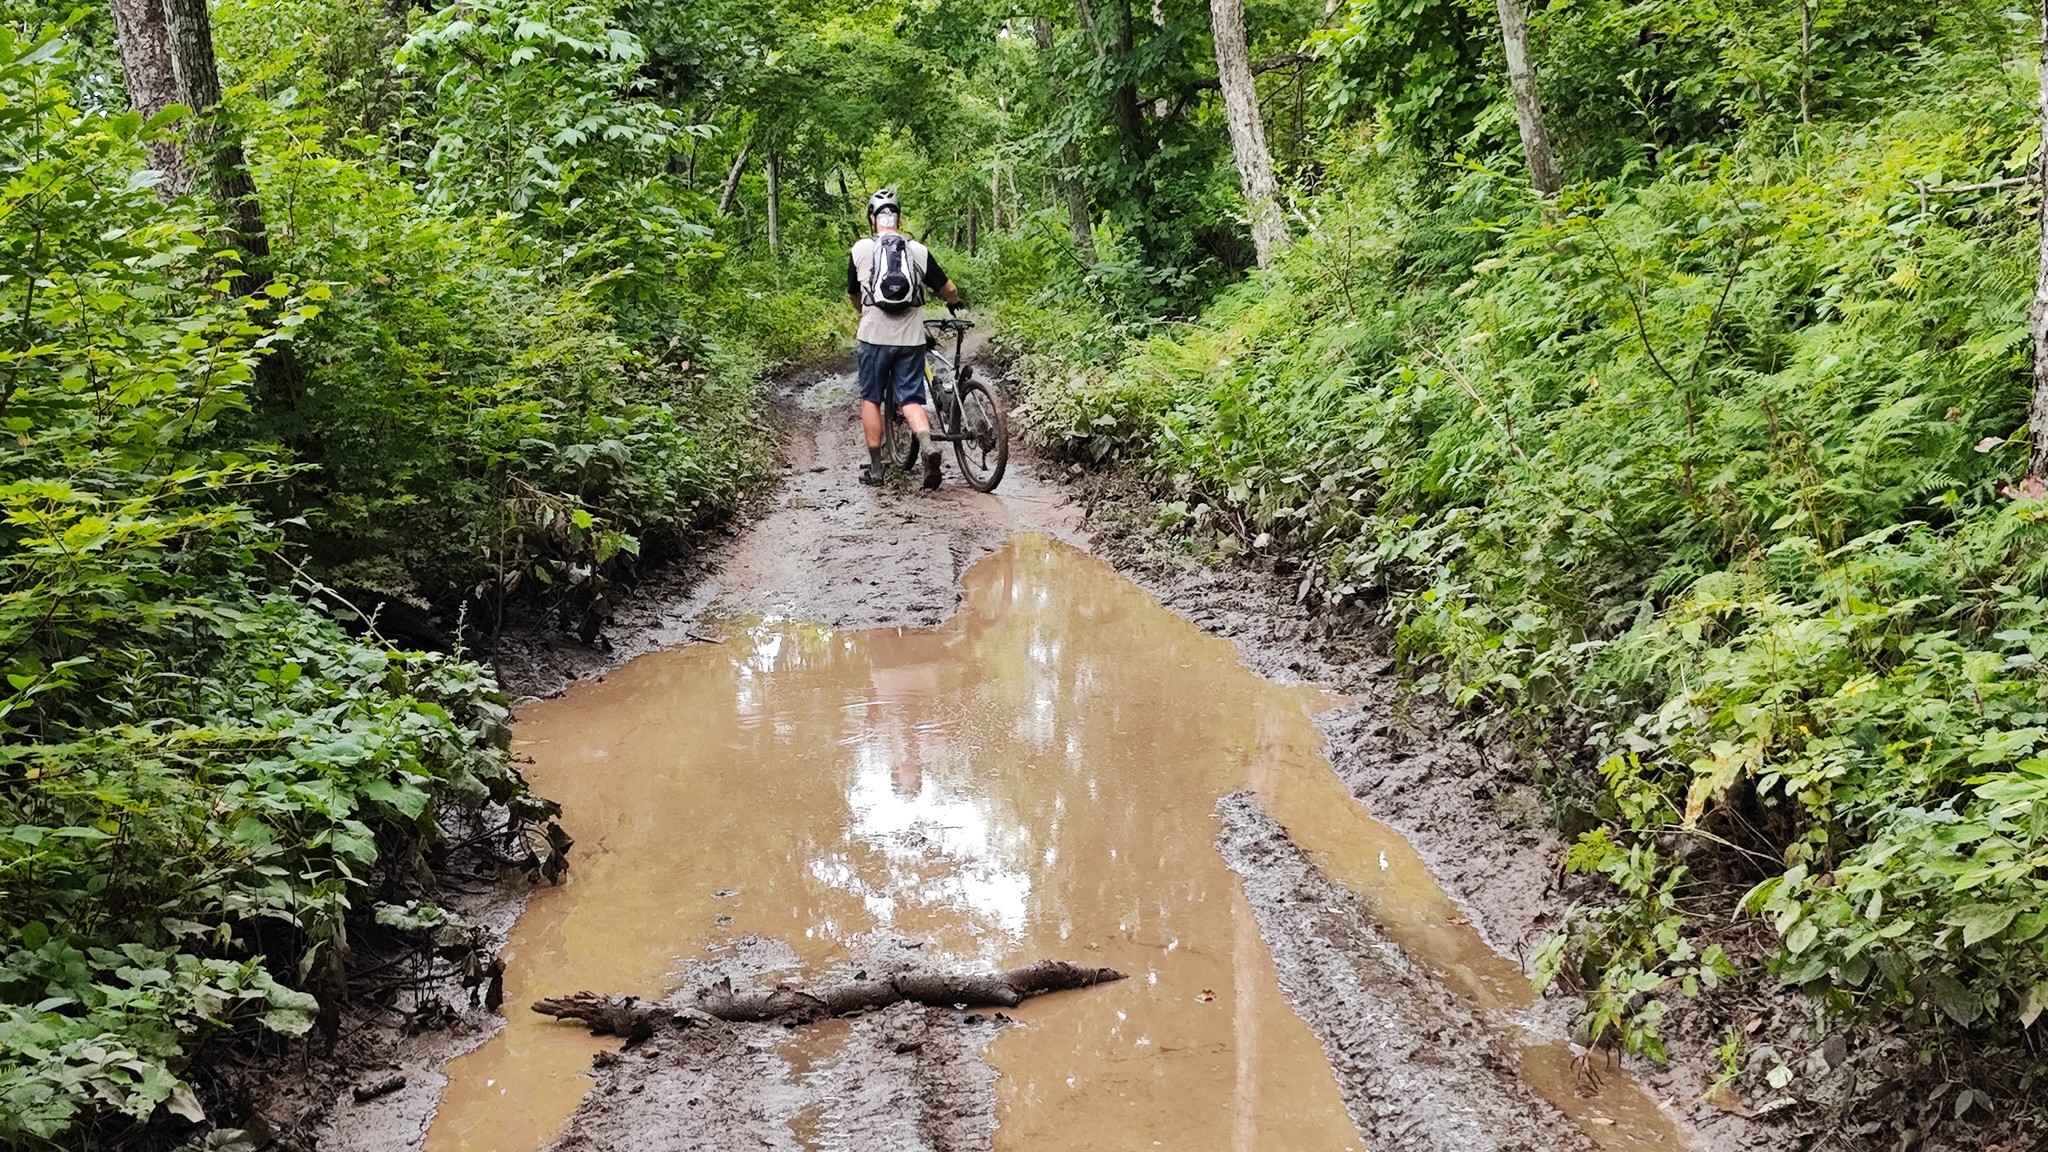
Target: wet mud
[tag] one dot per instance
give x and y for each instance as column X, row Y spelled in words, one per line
column 1037, row 778
column 821, row 548
column 1032, row 780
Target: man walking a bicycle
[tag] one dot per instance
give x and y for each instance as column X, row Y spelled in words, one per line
column 887, row 277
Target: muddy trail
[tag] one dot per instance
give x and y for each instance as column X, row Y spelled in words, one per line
column 895, row 731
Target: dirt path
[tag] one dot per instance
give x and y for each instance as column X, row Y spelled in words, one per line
column 824, row 549
column 1417, row 1068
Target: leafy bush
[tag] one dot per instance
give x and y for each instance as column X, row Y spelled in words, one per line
column 201, row 777
column 534, row 360
column 1701, row 470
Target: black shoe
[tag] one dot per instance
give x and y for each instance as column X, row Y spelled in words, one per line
column 873, row 476
column 931, row 468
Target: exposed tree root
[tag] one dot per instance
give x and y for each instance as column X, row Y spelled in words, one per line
column 634, row 1019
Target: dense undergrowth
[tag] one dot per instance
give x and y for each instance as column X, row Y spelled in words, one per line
column 1697, row 469
column 536, row 356
column 468, row 378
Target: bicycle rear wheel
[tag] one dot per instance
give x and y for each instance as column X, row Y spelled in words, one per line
column 899, row 447
column 984, row 448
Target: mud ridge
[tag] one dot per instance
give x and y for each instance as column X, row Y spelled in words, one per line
column 1418, row 1071
column 912, row 1078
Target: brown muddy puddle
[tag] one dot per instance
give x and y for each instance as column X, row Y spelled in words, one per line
column 1035, row 779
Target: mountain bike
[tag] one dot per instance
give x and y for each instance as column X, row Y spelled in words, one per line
column 964, row 411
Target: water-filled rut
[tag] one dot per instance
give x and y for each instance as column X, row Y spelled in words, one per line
column 1037, row 778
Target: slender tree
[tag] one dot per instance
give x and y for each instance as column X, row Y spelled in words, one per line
column 1514, row 34
column 1114, row 49
column 1247, row 128
column 216, row 150
column 1069, row 177
column 2037, row 417
column 732, row 178
column 1130, row 114
column 1806, row 61
column 142, row 33
column 772, row 169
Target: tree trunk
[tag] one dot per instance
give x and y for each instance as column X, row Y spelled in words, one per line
column 143, row 34
column 732, row 178
column 1130, row 114
column 216, row 149
column 635, row 1019
column 1806, row 61
column 1070, row 186
column 1247, row 129
column 773, row 170
column 995, row 196
column 1086, row 15
column 2037, row 417
column 973, row 226
column 1514, row 34
column 1134, row 194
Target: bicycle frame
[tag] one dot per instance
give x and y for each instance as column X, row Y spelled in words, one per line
column 945, row 411
column 980, row 438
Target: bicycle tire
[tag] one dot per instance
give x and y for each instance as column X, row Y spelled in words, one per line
column 942, row 401
column 985, row 452
column 899, row 447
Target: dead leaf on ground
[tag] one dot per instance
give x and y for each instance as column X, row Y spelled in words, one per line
column 1727, row 1099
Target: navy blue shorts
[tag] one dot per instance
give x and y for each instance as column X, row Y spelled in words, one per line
column 887, row 366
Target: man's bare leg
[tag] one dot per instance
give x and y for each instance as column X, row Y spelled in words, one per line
column 921, row 427
column 871, row 423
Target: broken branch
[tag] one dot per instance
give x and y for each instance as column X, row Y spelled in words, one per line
column 628, row 1016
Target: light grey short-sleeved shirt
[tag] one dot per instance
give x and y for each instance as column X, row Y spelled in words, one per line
column 877, row 326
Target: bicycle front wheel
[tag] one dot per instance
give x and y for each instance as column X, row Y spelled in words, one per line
column 983, row 449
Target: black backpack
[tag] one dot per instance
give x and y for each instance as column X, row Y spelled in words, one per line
column 894, row 283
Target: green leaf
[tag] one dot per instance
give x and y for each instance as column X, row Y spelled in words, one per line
column 2027, row 926
column 1949, row 994
column 291, row 1012
column 2033, row 1003
column 1801, row 937
column 1980, row 922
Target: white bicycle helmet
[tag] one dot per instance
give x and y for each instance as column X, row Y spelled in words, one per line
column 883, row 201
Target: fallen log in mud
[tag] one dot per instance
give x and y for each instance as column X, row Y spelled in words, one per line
column 634, row 1019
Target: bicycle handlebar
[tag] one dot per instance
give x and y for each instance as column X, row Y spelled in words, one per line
column 949, row 324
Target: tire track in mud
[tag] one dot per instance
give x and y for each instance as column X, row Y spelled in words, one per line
column 1417, row 1070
